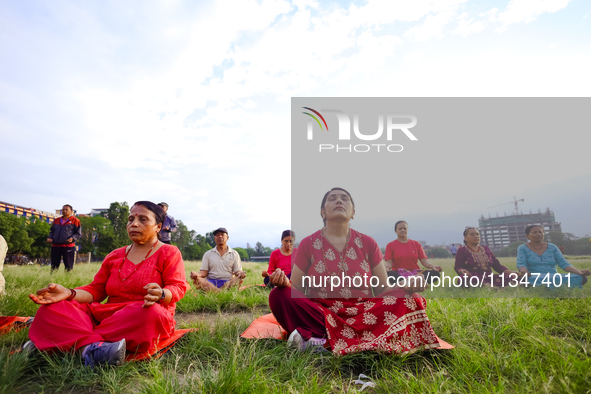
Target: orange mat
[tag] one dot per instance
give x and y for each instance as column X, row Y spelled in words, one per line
column 163, row 346
column 15, row 323
column 267, row 327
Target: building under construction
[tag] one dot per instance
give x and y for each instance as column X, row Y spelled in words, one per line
column 500, row 231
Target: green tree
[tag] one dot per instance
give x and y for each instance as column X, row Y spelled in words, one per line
column 204, row 245
column 194, row 252
column 251, row 252
column 259, row 249
column 191, row 244
column 118, row 214
column 8, row 225
column 556, row 237
column 210, row 239
column 98, row 236
column 243, row 253
column 38, row 231
column 183, row 238
column 13, row 229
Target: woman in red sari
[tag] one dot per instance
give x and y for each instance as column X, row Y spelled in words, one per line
column 350, row 317
column 142, row 281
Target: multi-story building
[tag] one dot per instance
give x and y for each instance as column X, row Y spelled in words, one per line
column 27, row 212
column 498, row 232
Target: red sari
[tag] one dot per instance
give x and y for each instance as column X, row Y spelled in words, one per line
column 394, row 322
column 69, row 324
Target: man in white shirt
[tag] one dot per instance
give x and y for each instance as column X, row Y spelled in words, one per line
column 221, row 268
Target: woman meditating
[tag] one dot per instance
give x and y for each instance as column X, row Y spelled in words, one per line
column 476, row 260
column 403, row 255
column 348, row 316
column 281, row 258
column 142, row 282
column 539, row 257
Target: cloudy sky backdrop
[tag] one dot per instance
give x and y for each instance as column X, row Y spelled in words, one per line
column 189, row 102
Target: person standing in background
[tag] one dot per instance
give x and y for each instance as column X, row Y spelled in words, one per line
column 3, row 250
column 63, row 234
column 453, row 250
column 169, row 225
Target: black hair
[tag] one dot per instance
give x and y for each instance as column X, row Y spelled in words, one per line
column 326, row 197
column 529, row 228
column 466, row 233
column 287, row 233
column 68, row 205
column 397, row 223
column 157, row 210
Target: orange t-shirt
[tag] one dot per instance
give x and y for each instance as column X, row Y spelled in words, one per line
column 405, row 255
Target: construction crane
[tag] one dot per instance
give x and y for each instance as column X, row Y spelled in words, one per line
column 515, row 201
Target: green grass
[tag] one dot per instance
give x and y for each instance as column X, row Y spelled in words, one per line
column 503, row 345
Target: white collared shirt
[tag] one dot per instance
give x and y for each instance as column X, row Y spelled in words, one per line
column 221, row 267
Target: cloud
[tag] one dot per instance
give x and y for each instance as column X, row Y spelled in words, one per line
column 528, row 10
column 189, row 102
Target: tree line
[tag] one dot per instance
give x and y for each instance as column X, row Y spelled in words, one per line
column 103, row 234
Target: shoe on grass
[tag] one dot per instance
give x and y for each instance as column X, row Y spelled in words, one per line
column 29, row 348
column 315, row 344
column 109, row 353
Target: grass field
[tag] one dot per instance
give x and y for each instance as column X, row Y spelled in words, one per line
column 503, row 345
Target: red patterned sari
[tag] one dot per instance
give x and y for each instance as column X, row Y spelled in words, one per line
column 393, row 322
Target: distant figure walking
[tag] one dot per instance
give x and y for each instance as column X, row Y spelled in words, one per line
column 562, row 249
column 168, row 227
column 63, row 234
column 454, row 250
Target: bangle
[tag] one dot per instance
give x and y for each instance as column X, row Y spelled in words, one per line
column 72, row 296
column 163, row 295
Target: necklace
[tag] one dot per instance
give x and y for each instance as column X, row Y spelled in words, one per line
column 475, row 251
column 137, row 265
column 534, row 248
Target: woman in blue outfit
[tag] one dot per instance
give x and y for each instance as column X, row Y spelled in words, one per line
column 539, row 257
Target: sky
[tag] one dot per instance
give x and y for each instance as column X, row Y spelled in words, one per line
column 189, row 102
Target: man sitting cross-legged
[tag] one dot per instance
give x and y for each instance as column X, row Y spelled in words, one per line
column 221, row 267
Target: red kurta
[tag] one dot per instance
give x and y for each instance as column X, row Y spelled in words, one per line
column 279, row 260
column 404, row 255
column 394, row 322
column 65, row 325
